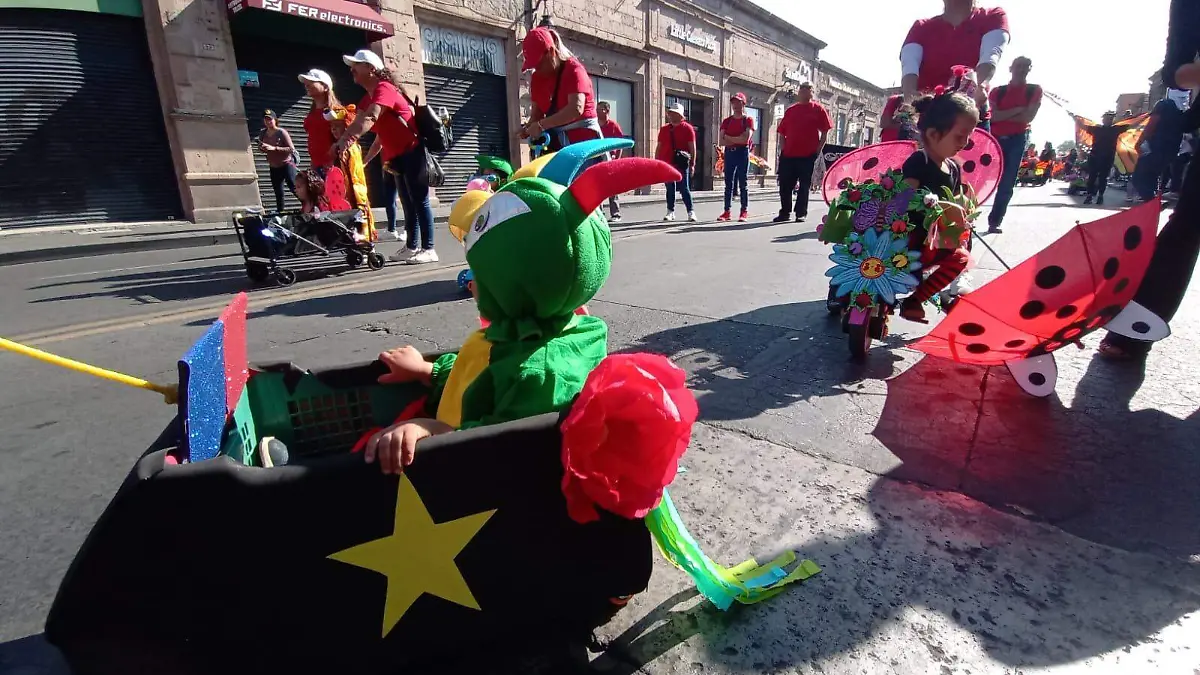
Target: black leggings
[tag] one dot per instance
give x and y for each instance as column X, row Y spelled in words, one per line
column 279, row 176
column 1098, row 172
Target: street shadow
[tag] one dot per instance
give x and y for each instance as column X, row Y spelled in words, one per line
column 793, row 238
column 162, row 285
column 372, row 302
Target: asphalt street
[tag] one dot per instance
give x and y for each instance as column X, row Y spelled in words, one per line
column 962, row 526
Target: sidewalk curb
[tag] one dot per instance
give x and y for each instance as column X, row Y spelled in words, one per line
column 215, row 236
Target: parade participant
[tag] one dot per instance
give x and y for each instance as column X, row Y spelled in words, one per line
column 1178, row 244
column 1159, row 143
column 276, row 143
column 539, row 250
column 677, row 147
column 494, row 169
column 804, row 128
column 1104, row 153
column 319, row 87
column 737, row 130
column 609, row 128
column 889, row 123
column 387, row 112
column 351, row 165
column 564, row 104
column 963, row 34
column 946, row 121
column 1014, row 105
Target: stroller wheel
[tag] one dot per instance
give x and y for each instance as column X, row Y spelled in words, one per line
column 354, row 259
column 285, row 277
column 376, row 260
column 258, row 272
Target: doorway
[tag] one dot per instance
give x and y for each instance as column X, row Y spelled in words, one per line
column 695, row 111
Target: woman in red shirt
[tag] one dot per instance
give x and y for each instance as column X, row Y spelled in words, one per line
column 564, row 104
column 319, row 86
column 387, row 112
column 677, row 147
column 962, row 35
column 736, row 132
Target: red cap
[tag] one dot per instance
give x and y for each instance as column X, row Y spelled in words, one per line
column 738, row 97
column 535, row 46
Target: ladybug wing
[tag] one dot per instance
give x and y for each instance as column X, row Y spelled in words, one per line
column 865, row 164
column 1119, row 248
column 982, row 163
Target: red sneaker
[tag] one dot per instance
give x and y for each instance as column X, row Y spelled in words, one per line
column 744, row 217
column 724, row 217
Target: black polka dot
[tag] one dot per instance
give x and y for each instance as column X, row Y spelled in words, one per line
column 1133, row 237
column 1110, row 268
column 1037, row 379
column 1140, row 327
column 969, row 166
column 1049, row 277
column 978, row 348
column 1066, row 311
column 970, row 144
column 1013, row 344
column 986, row 159
column 871, row 163
column 1032, row 309
column 846, row 182
column 1121, row 286
column 971, row 329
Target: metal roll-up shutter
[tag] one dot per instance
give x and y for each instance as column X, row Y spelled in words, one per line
column 277, row 64
column 82, row 136
column 478, row 106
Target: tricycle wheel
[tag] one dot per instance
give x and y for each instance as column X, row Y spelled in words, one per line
column 285, row 277
column 860, row 339
column 376, row 260
column 258, row 272
column 879, row 327
column 354, row 259
column 833, row 304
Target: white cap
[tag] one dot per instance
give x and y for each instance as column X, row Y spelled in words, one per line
column 365, row 56
column 675, row 108
column 317, row 75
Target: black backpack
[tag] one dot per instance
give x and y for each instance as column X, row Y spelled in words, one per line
column 434, row 134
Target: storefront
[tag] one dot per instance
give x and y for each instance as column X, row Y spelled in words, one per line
column 466, row 75
column 82, row 135
column 271, row 49
column 696, row 112
column 619, row 96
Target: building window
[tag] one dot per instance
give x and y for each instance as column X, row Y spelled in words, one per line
column 620, row 99
column 841, row 128
column 756, row 138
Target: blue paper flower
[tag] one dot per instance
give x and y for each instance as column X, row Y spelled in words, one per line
column 873, row 270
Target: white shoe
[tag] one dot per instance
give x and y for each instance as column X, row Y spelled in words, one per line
column 404, row 254
column 670, row 217
column 615, row 219
column 399, row 235
column 691, row 217
column 425, row 256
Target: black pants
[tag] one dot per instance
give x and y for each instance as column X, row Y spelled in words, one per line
column 1098, row 170
column 795, row 171
column 279, row 176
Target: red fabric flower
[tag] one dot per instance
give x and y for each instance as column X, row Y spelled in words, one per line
column 899, row 226
column 624, row 436
column 863, row 300
column 855, row 195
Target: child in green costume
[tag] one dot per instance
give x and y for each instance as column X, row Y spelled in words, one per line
column 539, row 249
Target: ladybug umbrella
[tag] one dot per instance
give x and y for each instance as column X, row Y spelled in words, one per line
column 1084, row 281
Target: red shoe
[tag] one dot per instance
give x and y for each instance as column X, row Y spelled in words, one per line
column 724, row 217
column 744, row 217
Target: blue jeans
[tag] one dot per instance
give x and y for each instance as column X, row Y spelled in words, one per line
column 1013, row 148
column 737, row 168
column 414, row 199
column 685, row 189
column 391, row 197
column 1146, row 175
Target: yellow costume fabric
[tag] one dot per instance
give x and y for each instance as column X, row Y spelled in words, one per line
column 352, row 166
column 473, row 358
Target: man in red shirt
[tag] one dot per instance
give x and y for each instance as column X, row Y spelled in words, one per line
column 736, row 132
column 677, row 147
column 962, row 35
column 610, row 129
column 804, row 128
column 1014, row 106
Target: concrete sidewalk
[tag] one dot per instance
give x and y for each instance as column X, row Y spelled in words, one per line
column 36, row 244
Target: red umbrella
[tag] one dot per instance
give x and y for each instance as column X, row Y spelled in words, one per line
column 1084, row 281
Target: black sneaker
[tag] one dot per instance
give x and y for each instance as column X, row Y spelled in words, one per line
column 1100, row 200
column 994, row 229
column 782, row 218
column 1087, row 199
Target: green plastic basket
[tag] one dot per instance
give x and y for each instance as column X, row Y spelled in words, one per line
column 311, row 418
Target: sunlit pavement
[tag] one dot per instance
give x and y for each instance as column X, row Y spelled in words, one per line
column 961, row 525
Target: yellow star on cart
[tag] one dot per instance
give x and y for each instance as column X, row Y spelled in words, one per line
column 418, row 557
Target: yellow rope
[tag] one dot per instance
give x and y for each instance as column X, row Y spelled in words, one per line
column 170, row 393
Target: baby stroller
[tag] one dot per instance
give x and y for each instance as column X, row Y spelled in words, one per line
column 266, row 238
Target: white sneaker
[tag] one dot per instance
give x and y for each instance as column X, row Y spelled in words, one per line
column 691, row 217
column 425, row 256
column 399, row 235
column 404, row 254
column 669, row 217
column 615, row 219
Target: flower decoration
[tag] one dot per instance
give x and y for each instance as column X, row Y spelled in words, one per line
column 862, row 300
column 930, row 200
column 887, row 182
column 899, row 226
column 854, row 195
column 872, row 271
column 900, row 261
column 855, row 248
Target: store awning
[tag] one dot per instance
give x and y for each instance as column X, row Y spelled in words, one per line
column 338, row 12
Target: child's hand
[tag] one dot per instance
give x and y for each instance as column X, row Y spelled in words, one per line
column 405, row 365
column 397, row 445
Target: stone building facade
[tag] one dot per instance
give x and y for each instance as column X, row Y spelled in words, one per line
column 217, row 63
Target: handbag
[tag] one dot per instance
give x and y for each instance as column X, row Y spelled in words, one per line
column 430, row 170
column 680, row 159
